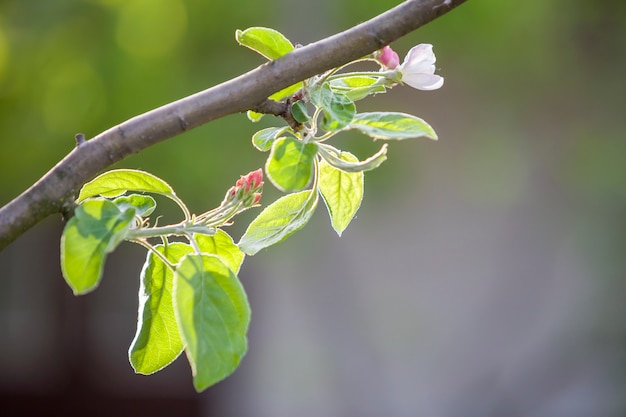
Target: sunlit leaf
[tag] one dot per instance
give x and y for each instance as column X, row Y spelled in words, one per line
column 342, row 192
column 254, row 116
column 330, row 155
column 338, row 109
column 213, row 315
column 222, row 245
column 96, row 229
column 157, row 342
column 286, row 92
column 290, row 164
column 268, row 42
column 264, row 138
column 117, row 182
column 278, row 221
column 144, row 205
column 357, row 87
column 390, row 125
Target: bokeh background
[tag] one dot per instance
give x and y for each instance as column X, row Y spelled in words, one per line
column 485, row 274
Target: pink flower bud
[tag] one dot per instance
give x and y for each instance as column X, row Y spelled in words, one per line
column 388, row 57
column 255, row 178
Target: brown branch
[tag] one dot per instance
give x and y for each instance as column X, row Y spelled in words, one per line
column 55, row 191
column 279, row 109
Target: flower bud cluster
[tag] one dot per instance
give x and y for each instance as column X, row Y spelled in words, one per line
column 247, row 189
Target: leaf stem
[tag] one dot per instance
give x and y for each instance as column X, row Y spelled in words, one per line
column 180, row 229
column 152, row 249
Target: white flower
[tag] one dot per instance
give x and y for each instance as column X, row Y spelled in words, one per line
column 418, row 68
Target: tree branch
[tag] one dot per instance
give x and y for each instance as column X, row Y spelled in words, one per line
column 55, row 191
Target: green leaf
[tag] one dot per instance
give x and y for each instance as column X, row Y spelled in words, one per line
column 117, row 182
column 337, row 108
column 357, row 87
column 290, row 164
column 272, row 45
column 279, row 220
column 277, row 96
column 389, row 125
column 264, row 138
column 97, row 227
column 254, row 116
column 286, row 92
column 222, row 245
column 157, row 342
column 213, row 316
column 342, row 192
column 299, row 112
column 329, row 154
column 144, row 205
column 268, row 42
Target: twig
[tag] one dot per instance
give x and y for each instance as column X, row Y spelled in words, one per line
column 55, row 191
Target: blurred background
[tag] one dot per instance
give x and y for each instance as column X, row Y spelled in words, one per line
column 485, row 274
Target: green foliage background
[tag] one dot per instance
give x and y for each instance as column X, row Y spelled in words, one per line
column 530, row 122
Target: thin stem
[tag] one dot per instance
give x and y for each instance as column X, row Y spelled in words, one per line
column 193, row 242
column 155, row 251
column 182, row 205
column 180, row 229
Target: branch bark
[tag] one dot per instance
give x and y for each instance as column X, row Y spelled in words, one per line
column 55, row 191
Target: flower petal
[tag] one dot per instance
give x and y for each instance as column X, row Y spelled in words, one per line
column 423, row 81
column 420, row 54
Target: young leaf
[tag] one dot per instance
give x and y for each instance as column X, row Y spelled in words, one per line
column 278, row 221
column 342, row 192
column 290, row 164
column 117, row 182
column 329, row 154
column 264, row 138
column 213, row 316
column 272, row 45
column 144, row 205
column 268, row 42
column 337, row 108
column 286, row 92
column 222, row 245
column 157, row 342
column 390, row 125
column 254, row 116
column 97, row 227
column 357, row 87
column 299, row 112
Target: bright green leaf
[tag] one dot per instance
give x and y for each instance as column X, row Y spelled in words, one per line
column 338, row 109
column 117, row 182
column 278, row 221
column 213, row 315
column 157, row 342
column 268, row 42
column 342, row 192
column 97, row 227
column 290, row 164
column 264, row 138
column 144, row 205
column 254, row 116
column 286, row 92
column 357, row 87
column 329, row 154
column 222, row 245
column 389, row 125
